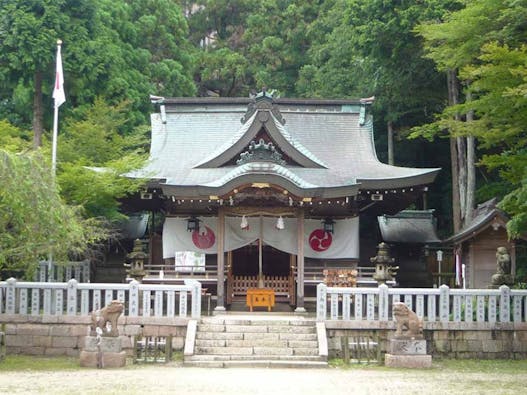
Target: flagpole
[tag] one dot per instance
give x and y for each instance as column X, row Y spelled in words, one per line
column 56, row 106
column 59, row 98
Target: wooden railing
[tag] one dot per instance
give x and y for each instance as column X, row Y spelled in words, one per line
column 280, row 284
column 315, row 274
column 169, row 271
column 430, row 304
column 74, row 298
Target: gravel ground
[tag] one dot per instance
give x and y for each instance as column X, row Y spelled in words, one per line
column 168, row 379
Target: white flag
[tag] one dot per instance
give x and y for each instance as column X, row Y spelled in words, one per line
column 58, row 90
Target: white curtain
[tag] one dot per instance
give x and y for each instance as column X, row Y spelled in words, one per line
column 343, row 243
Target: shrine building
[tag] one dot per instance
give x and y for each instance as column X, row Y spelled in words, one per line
column 266, row 193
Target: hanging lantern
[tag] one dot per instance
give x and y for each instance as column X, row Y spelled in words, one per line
column 280, row 223
column 192, row 224
column 328, row 225
column 244, row 224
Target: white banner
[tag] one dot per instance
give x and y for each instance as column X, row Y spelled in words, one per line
column 343, row 243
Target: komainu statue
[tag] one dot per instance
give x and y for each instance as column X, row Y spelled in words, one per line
column 503, row 269
column 104, row 320
column 408, row 325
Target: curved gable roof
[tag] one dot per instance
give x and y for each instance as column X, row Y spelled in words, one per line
column 196, row 141
column 268, row 118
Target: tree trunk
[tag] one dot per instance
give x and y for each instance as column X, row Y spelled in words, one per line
column 38, row 123
column 390, row 143
column 471, row 167
column 462, row 176
column 453, row 96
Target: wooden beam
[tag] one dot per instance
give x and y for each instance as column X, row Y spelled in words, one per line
column 221, row 261
column 300, row 263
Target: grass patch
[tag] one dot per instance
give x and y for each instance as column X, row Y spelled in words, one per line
column 21, row 363
column 494, row 366
column 483, row 365
column 38, row 363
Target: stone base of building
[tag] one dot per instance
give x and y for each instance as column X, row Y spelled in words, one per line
column 408, row 353
column 94, row 359
column 102, row 353
column 408, row 361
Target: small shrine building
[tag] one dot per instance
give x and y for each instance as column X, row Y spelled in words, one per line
column 264, row 192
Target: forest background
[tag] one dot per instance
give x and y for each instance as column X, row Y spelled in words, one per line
column 449, row 77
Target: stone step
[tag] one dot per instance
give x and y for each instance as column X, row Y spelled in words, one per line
column 259, row 364
column 257, row 322
column 247, row 342
column 211, row 327
column 222, row 336
column 293, row 329
column 224, row 350
column 241, row 343
column 305, row 351
column 272, row 351
column 261, row 336
column 253, row 350
column 209, row 358
column 256, row 329
column 256, row 343
column 297, row 336
column 256, row 336
column 302, row 344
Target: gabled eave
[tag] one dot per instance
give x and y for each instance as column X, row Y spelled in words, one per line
column 262, row 119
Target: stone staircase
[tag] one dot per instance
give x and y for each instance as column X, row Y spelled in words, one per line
column 256, row 341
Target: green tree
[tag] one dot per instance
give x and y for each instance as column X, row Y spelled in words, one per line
column 119, row 50
column 484, row 44
column 29, row 30
column 246, row 45
column 139, row 48
column 93, row 156
column 277, row 37
column 34, row 220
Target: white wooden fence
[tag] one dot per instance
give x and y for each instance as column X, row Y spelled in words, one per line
column 430, row 304
column 80, row 271
column 74, row 298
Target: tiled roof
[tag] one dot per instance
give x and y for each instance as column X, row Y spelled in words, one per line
column 324, row 138
column 483, row 216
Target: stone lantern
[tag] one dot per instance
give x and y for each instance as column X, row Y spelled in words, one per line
column 384, row 271
column 137, row 260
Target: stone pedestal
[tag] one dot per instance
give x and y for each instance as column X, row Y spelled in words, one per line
column 407, row 353
column 107, row 354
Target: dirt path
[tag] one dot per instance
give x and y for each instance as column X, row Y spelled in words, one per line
column 178, row 380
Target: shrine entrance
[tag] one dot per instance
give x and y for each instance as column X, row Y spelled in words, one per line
column 260, row 266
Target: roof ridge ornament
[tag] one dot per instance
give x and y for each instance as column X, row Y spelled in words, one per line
column 264, row 102
column 363, row 103
column 261, row 152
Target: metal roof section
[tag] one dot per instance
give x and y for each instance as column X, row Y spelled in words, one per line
column 409, row 226
column 330, row 148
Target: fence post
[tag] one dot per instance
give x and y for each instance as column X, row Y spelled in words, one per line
column 505, row 303
column 86, row 271
column 133, row 299
column 321, row 302
column 10, row 301
column 196, row 299
column 383, row 302
column 43, row 265
column 72, row 297
column 444, row 303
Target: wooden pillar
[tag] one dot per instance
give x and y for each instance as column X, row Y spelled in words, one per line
column 300, row 263
column 220, row 306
